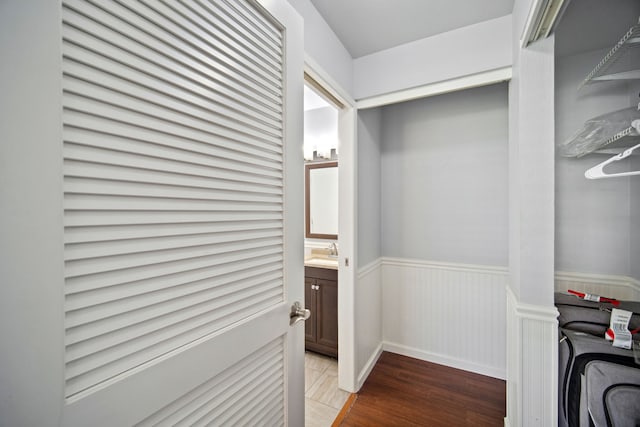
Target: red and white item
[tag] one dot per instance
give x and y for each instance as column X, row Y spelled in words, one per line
column 618, row 331
column 593, row 297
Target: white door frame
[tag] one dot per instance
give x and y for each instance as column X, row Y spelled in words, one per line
column 347, row 214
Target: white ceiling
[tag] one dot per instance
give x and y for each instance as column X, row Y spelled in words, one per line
column 367, row 26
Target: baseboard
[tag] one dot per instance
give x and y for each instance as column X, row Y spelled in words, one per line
column 443, row 360
column 368, row 367
column 506, row 422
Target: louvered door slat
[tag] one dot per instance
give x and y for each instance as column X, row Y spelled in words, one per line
column 76, row 185
column 173, row 187
column 85, row 310
column 247, row 35
column 195, row 88
column 184, row 30
column 189, row 281
column 90, row 217
column 245, row 23
column 89, row 250
column 83, row 267
column 103, row 334
column 97, row 171
column 219, row 35
column 77, row 130
column 232, row 393
column 106, row 364
column 111, row 202
column 94, row 83
column 110, row 278
column 134, row 111
column 127, row 30
column 118, row 120
column 124, row 232
column 205, row 167
column 254, row 386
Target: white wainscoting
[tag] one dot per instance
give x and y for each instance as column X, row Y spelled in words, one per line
column 532, row 364
column 446, row 313
column 368, row 319
column 620, row 287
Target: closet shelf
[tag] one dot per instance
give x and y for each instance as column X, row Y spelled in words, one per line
column 611, row 67
column 629, row 135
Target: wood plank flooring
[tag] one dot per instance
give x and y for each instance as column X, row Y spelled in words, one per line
column 402, row 391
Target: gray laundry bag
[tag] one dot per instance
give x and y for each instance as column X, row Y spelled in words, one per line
column 591, row 317
column 576, row 350
column 612, row 394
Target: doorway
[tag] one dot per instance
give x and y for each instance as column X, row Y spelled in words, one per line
column 329, row 151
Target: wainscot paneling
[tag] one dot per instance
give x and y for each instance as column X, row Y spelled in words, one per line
column 368, row 319
column 446, row 313
column 620, row 287
column 532, row 364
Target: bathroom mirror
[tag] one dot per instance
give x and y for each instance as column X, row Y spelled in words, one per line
column 321, row 200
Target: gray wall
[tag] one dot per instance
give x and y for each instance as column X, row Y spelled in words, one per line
column 592, row 216
column 369, row 180
column 444, row 177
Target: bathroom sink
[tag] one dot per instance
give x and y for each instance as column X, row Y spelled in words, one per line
column 322, row 262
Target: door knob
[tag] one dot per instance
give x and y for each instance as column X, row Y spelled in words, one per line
column 298, row 313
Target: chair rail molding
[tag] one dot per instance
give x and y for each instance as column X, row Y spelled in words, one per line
column 613, row 286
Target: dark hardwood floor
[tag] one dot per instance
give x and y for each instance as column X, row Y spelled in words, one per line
column 402, row 391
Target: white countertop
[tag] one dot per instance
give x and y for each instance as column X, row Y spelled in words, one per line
column 321, row 262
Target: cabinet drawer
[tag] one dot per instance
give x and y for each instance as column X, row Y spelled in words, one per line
column 321, row 273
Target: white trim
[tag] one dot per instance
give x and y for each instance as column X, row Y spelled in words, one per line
column 372, row 266
column 611, row 280
column 530, row 25
column 443, row 360
column 465, row 82
column 532, row 362
column 347, row 125
column 620, row 287
column 531, row 311
column 473, row 268
column 312, row 68
column 368, row 367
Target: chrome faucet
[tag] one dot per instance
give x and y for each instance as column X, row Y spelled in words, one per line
column 333, row 249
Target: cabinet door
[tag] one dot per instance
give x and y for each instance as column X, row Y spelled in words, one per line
column 310, row 303
column 327, row 319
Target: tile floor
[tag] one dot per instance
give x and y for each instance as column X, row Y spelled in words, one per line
column 323, row 398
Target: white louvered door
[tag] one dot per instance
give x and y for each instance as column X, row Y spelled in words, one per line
column 182, row 212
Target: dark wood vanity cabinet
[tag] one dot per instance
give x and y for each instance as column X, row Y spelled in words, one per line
column 321, row 297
